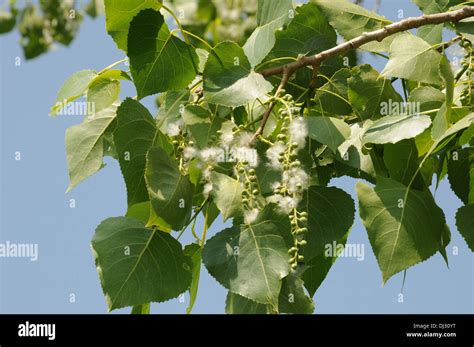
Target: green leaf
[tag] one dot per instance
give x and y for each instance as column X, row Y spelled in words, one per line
column 7, row 20
column 194, row 251
column 170, row 192
column 159, row 61
column 73, row 88
column 202, row 124
column 405, row 226
column 457, row 127
column 465, row 224
column 440, row 123
column 314, row 35
column 237, row 304
column 443, row 140
column 368, row 92
column 133, row 137
column 354, row 155
column 251, row 260
column 332, row 96
column 293, row 298
column 433, row 34
column 427, row 146
column 393, row 129
column 428, row 98
column 433, row 6
column 228, row 79
column 461, row 174
column 318, row 268
column 330, row 216
column 102, row 93
column 137, row 265
column 173, row 105
column 466, row 27
column 351, row 20
column 140, row 211
column 271, row 15
column 467, row 137
column 443, row 118
column 307, row 34
column 196, row 114
column 227, row 195
column 328, row 131
column 202, row 55
column 118, row 75
column 401, row 160
column 119, row 14
column 141, row 309
column 85, row 146
column 414, row 59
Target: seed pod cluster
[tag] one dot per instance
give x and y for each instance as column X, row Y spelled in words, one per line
column 283, row 155
column 298, row 229
column 468, row 65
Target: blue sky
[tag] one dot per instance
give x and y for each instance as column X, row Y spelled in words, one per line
column 35, row 209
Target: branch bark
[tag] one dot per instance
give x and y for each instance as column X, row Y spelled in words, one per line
column 378, row 35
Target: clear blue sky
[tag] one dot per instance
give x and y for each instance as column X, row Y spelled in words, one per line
column 35, row 209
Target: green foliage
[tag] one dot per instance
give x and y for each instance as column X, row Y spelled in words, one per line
column 8, row 19
column 44, row 23
column 229, row 80
column 194, row 251
column 330, row 217
column 272, row 15
column 85, row 145
column 236, row 304
column 227, row 194
column 204, row 155
column 73, row 88
column 393, row 129
column 138, row 265
column 465, row 224
column 159, row 61
column 405, row 226
column 408, row 59
column 351, row 21
column 251, row 260
column 119, row 15
column 171, row 193
column 314, row 35
column 461, row 173
column 367, row 91
column 134, row 135
column 328, row 130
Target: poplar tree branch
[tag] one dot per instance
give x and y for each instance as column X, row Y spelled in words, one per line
column 378, row 35
column 315, row 61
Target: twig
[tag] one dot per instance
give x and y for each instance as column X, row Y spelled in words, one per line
column 314, row 78
column 448, row 44
column 287, row 72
